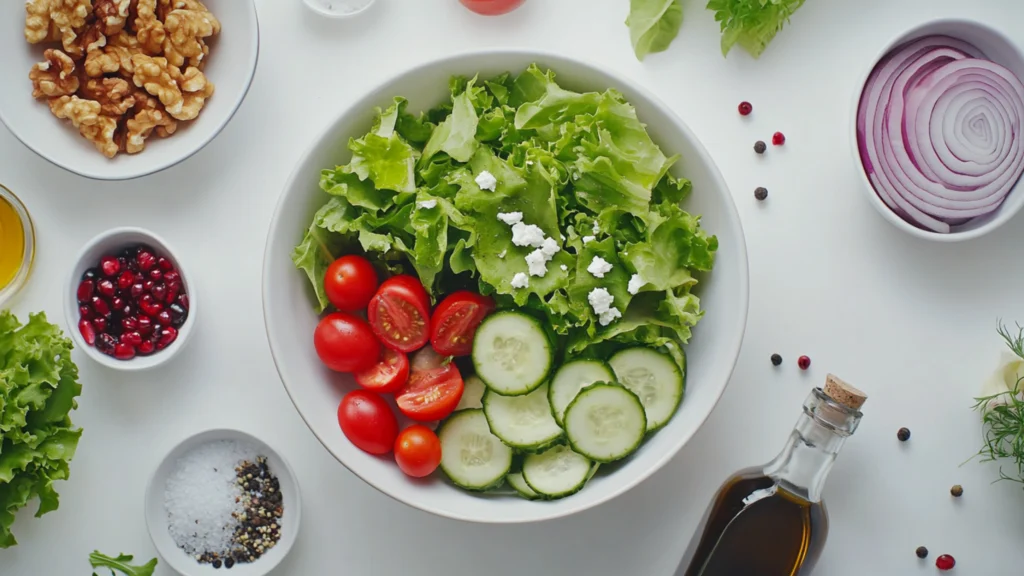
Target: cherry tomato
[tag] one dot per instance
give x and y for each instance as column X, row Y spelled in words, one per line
column 431, row 394
column 350, row 283
column 492, row 7
column 368, row 422
column 455, row 321
column 418, row 451
column 400, row 313
column 386, row 376
column 345, row 343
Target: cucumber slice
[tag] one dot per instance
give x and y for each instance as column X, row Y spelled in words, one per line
column 472, row 395
column 655, row 378
column 512, row 353
column 471, row 456
column 522, row 422
column 605, row 422
column 557, row 472
column 573, row 377
column 515, row 480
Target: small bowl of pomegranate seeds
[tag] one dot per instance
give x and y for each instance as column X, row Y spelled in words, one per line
column 130, row 305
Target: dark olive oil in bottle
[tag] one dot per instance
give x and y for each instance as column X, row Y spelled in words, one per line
column 770, row 520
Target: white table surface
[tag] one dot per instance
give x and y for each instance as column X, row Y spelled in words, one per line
column 911, row 322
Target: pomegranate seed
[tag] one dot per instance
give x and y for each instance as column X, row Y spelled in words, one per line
column 148, row 285
column 178, row 315
column 145, row 325
column 146, row 260
column 804, row 362
column 146, row 348
column 150, row 306
column 164, row 264
column 125, row 280
column 183, row 300
column 85, row 290
column 156, row 274
column 745, row 108
column 945, row 562
column 85, row 312
column 128, row 310
column 778, row 139
column 100, row 307
column 87, row 332
column 173, row 288
column 164, row 317
column 137, row 290
column 110, row 266
column 124, row 351
column 100, row 324
column 129, row 323
column 90, row 274
column 118, row 304
column 105, row 343
column 159, row 292
column 105, row 287
column 172, row 276
column 132, row 338
column 167, row 336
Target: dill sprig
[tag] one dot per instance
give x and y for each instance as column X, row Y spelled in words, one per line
column 1003, row 418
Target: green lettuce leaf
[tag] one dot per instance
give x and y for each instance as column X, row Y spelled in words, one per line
column 751, row 23
column 121, row 564
column 653, row 24
column 456, row 136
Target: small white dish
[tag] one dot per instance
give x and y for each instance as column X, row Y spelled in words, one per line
column 998, row 48
column 231, row 67
column 339, row 8
column 156, row 514
column 111, row 243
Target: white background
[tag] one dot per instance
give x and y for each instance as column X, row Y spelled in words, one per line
column 909, row 321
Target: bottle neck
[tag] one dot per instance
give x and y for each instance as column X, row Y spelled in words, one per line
column 803, row 465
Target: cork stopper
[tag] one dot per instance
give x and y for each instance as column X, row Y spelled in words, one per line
column 844, row 393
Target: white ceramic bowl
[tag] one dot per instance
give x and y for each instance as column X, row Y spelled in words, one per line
column 111, row 243
column 156, row 513
column 1000, row 50
column 231, row 66
column 337, row 8
column 316, row 391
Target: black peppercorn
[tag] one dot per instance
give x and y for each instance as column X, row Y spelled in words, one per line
column 922, row 552
column 903, row 434
column 230, row 562
column 776, row 359
column 957, row 490
column 760, row 147
column 760, row 193
column 216, row 563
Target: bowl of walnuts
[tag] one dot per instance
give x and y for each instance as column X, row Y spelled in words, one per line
column 118, row 89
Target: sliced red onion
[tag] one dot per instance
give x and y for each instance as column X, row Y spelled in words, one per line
column 939, row 131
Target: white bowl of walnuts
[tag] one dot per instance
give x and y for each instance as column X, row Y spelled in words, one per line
column 118, row 89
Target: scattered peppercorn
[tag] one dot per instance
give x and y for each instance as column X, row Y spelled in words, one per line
column 957, row 490
column 745, row 108
column 903, row 434
column 778, row 139
column 804, row 362
column 761, row 193
column 945, row 562
column 229, row 562
column 760, row 146
column 217, row 563
column 922, row 552
column 776, row 359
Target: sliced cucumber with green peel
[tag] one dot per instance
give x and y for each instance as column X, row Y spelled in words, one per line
column 557, row 472
column 522, row 422
column 515, row 480
column 472, row 394
column 655, row 378
column 512, row 353
column 471, row 456
column 606, row 422
column 573, row 377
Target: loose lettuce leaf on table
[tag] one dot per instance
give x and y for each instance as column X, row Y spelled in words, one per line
column 751, row 23
column 653, row 24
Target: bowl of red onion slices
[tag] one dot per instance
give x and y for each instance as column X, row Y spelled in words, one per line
column 939, row 122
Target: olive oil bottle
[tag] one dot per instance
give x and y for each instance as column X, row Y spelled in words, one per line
column 770, row 520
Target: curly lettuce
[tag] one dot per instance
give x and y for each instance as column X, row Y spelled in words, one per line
column 579, row 166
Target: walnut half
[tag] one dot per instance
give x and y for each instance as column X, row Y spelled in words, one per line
column 55, row 76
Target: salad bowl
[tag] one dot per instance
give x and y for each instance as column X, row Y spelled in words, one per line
column 291, row 317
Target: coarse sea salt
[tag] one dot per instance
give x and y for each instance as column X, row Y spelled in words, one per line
column 200, row 496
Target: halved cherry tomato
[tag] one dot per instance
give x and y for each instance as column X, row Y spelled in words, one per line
column 346, row 343
column 492, row 7
column 350, row 283
column 368, row 422
column 386, row 376
column 431, row 394
column 455, row 321
column 400, row 313
column 418, row 451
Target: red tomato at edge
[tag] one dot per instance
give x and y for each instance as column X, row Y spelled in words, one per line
column 455, row 321
column 368, row 422
column 350, row 282
column 345, row 343
column 399, row 313
column 492, row 7
column 418, row 451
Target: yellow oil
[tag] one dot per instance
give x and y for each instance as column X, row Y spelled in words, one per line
column 12, row 242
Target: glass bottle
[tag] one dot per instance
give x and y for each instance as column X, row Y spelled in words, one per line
column 770, row 520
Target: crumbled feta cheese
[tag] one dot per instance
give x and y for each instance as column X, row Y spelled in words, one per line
column 609, row 316
column 597, row 228
column 510, row 218
column 527, row 235
column 529, row 162
column 486, row 181
column 549, row 247
column 537, row 262
column 564, row 268
column 635, row 283
column 428, row 204
column 520, row 280
column 601, row 301
column 599, row 267
column 588, row 239
column 502, row 253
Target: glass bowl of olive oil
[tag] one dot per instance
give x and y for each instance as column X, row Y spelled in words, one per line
column 17, row 245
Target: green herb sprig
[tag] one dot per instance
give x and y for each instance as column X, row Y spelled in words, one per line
column 1003, row 418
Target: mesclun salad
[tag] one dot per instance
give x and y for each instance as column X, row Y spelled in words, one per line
column 546, row 228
